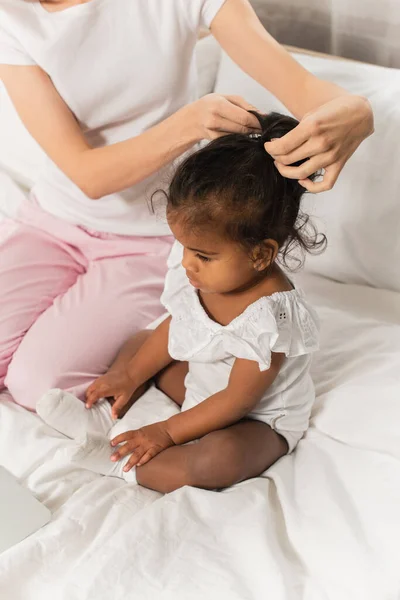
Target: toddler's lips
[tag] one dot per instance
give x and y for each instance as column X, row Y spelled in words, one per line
column 192, row 281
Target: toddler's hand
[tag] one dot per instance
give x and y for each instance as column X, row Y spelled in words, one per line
column 114, row 384
column 144, row 444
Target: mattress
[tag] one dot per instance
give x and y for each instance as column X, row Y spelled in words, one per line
column 321, row 524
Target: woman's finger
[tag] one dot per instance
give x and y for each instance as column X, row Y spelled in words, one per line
column 223, row 126
column 310, row 148
column 231, row 112
column 291, row 141
column 329, row 180
column 240, row 101
column 321, row 161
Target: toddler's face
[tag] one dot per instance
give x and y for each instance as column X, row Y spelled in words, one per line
column 212, row 263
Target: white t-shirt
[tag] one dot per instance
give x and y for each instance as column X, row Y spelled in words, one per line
column 121, row 66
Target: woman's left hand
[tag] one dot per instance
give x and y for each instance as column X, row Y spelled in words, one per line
column 144, row 444
column 328, row 136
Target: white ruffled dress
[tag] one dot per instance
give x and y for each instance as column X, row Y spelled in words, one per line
column 283, row 322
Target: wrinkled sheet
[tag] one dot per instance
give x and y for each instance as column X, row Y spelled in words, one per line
column 323, row 523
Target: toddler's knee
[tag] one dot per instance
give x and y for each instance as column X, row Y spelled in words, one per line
column 216, row 466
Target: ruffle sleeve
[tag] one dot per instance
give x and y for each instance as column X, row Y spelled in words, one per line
column 283, row 322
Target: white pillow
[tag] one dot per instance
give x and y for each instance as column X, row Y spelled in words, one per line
column 361, row 215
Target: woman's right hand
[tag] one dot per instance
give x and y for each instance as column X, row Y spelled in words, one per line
column 214, row 116
column 114, row 384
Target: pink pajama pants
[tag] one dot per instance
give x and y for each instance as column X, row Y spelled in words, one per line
column 69, row 298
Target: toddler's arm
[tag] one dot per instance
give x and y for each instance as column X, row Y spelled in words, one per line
column 245, row 389
column 151, row 358
column 140, row 358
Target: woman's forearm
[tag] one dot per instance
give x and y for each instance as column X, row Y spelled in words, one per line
column 119, row 166
column 99, row 172
column 244, row 38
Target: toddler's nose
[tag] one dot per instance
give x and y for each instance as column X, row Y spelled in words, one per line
column 189, row 262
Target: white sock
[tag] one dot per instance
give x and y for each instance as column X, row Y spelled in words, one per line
column 94, row 453
column 68, row 415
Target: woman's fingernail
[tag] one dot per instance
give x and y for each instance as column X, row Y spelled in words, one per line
column 112, row 443
column 113, row 457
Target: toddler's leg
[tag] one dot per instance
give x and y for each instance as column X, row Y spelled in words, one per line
column 218, row 460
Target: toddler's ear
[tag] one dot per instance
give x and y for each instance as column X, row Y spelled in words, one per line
column 264, row 254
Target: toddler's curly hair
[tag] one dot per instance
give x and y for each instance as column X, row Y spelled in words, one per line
column 233, row 186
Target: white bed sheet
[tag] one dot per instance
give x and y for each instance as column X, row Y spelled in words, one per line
column 323, row 523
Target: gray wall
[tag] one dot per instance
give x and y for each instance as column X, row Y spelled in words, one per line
column 367, row 30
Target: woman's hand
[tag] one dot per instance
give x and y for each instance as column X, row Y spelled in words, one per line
column 144, row 444
column 114, row 384
column 328, row 136
column 214, row 116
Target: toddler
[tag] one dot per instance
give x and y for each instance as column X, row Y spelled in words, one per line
column 234, row 349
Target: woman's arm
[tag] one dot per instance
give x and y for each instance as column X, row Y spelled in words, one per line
column 333, row 122
column 102, row 171
column 246, row 386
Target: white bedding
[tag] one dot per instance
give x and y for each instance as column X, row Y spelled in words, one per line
column 323, row 523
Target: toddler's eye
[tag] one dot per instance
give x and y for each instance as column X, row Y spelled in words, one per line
column 203, row 258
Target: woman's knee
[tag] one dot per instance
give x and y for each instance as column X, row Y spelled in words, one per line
column 29, row 378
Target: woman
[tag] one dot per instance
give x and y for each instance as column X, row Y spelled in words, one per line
column 107, row 88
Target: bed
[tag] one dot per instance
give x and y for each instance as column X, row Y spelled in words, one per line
column 321, row 524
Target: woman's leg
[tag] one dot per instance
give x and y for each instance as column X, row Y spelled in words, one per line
column 218, row 460
column 34, row 269
column 78, row 337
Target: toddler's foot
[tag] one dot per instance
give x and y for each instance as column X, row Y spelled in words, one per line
column 68, row 415
column 94, row 453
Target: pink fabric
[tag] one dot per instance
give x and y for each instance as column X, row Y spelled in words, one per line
column 69, row 298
